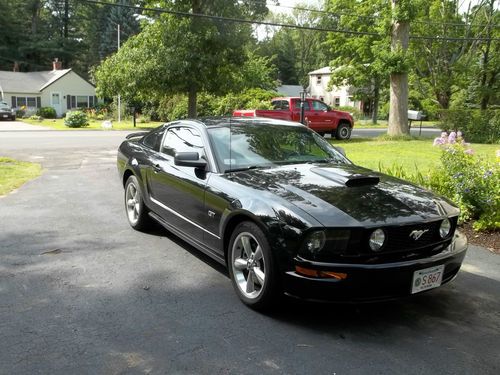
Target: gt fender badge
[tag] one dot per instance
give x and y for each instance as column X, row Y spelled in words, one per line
column 416, row 234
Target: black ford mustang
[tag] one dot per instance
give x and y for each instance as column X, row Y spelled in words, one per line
column 288, row 213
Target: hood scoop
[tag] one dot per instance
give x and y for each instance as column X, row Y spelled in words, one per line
column 345, row 177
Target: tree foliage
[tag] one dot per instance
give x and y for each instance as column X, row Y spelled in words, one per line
column 360, row 61
column 174, row 55
column 296, row 52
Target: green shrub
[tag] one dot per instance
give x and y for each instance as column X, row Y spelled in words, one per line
column 355, row 113
column 174, row 107
column 472, row 183
column 20, row 113
column 383, row 112
column 46, row 112
column 76, row 119
column 477, row 125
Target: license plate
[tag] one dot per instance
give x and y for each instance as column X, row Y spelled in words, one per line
column 427, row 278
column 5, row 116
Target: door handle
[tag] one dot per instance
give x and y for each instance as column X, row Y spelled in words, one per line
column 157, row 168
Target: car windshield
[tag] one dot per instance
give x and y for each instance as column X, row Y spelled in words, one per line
column 246, row 146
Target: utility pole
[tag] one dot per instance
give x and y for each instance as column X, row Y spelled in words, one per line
column 119, row 98
column 398, row 110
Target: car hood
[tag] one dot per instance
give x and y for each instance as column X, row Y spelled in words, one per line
column 347, row 195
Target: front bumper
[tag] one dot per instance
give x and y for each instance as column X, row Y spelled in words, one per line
column 372, row 282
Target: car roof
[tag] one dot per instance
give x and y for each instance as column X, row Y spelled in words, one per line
column 213, row 122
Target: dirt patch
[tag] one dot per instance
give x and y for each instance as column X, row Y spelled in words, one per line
column 489, row 240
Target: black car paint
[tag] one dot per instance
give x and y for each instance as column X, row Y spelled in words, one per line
column 287, row 202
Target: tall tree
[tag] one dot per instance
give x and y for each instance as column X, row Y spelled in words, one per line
column 359, row 60
column 486, row 75
column 126, row 18
column 400, row 37
column 181, row 55
column 439, row 64
column 296, row 52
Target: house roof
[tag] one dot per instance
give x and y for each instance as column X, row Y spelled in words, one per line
column 325, row 70
column 289, row 90
column 30, row 82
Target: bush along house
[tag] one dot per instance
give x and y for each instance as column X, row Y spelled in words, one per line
column 62, row 89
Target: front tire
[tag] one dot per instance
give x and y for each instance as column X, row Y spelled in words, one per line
column 343, row 132
column 137, row 212
column 251, row 267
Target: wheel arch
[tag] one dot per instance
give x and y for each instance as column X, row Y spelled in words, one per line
column 232, row 222
column 126, row 176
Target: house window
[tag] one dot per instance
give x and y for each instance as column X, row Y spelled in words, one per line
column 82, row 101
column 26, row 101
column 336, row 101
column 31, row 102
column 318, row 80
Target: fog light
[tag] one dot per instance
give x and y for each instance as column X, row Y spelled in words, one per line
column 445, row 228
column 316, row 241
column 377, row 239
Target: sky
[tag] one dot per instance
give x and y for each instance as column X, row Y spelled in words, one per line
column 290, row 3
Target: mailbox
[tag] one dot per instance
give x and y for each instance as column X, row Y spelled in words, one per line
column 415, row 115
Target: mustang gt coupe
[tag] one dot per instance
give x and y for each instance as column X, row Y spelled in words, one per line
column 288, row 213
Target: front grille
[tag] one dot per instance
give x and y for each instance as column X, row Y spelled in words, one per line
column 399, row 244
column 399, row 239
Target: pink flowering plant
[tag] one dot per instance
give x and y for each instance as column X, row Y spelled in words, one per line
column 469, row 181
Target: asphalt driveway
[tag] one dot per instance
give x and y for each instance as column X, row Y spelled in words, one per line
column 82, row 293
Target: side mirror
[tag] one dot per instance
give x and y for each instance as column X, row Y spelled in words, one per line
column 189, row 159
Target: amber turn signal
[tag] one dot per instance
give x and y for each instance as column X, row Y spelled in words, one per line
column 320, row 274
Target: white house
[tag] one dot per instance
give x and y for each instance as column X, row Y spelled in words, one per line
column 337, row 96
column 61, row 89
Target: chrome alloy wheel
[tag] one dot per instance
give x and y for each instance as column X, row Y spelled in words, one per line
column 248, row 265
column 344, row 132
column 132, row 199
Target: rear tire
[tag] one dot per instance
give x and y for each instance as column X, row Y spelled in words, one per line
column 136, row 210
column 251, row 267
column 343, row 132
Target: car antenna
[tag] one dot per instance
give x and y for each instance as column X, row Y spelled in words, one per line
column 230, row 135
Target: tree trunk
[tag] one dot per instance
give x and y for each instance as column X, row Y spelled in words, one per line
column 398, row 110
column 485, row 96
column 193, row 93
column 376, row 99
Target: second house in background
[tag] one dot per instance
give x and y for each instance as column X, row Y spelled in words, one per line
column 336, row 96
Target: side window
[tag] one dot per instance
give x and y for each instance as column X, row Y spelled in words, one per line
column 182, row 139
column 153, row 140
column 319, row 106
column 280, row 104
column 296, row 105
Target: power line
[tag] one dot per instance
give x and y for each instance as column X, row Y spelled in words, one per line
column 283, row 25
column 343, row 13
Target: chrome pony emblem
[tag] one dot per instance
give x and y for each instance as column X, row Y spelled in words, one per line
column 416, row 234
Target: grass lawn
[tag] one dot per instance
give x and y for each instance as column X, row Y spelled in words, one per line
column 382, row 124
column 421, row 153
column 15, row 173
column 58, row 124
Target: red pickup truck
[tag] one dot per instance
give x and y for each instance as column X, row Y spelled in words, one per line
column 317, row 115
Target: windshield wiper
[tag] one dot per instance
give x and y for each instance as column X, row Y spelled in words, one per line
column 321, row 161
column 243, row 168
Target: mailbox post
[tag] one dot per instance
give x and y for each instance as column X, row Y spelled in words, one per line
column 302, row 100
column 415, row 116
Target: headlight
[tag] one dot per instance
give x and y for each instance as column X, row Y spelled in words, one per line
column 445, row 228
column 377, row 239
column 315, row 241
